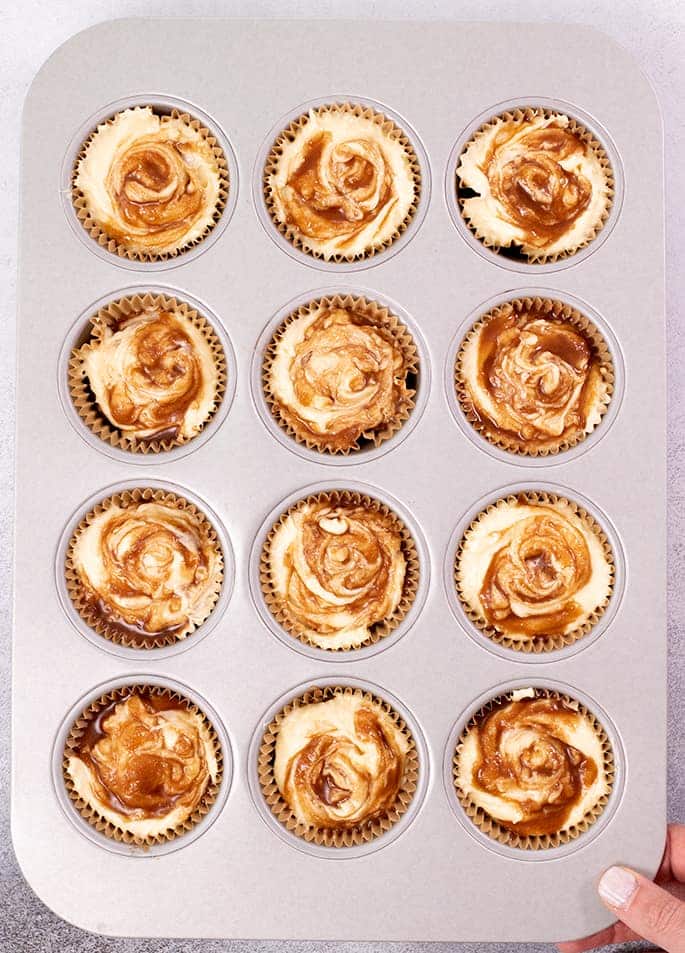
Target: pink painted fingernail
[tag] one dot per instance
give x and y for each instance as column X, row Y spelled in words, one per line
column 617, row 886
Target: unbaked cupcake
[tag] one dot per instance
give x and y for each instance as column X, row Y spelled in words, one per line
column 534, row 376
column 342, row 182
column 535, row 182
column 534, row 571
column 144, row 568
column 338, row 766
column 147, row 185
column 150, row 375
column 142, row 765
column 339, row 570
column 533, row 769
column 340, row 374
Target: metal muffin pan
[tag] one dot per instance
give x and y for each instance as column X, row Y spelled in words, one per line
column 240, row 879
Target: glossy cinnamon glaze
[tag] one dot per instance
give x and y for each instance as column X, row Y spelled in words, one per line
column 531, row 581
column 338, row 569
column 145, row 756
column 346, row 768
column 337, row 377
column 535, row 378
column 526, row 761
column 527, row 177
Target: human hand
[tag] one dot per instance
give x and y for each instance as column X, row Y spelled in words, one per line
column 645, row 910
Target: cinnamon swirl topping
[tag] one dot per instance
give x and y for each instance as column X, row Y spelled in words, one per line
column 534, row 763
column 336, row 571
column 153, row 375
column 145, row 570
column 533, row 569
column 143, row 763
column 341, row 181
column 533, row 377
column 150, row 183
column 339, row 763
column 542, row 183
column 338, row 376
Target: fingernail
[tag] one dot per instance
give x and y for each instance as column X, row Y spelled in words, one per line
column 616, row 886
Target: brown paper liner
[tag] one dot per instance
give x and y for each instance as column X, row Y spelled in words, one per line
column 488, row 825
column 379, row 630
column 334, row 837
column 96, row 231
column 288, row 134
column 79, row 595
column 553, row 310
column 539, row 643
column 379, row 316
column 512, row 250
column 83, row 397
column 91, row 814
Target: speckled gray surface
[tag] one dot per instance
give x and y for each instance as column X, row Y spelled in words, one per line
column 654, row 31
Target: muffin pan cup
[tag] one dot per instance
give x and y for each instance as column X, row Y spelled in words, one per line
column 242, row 877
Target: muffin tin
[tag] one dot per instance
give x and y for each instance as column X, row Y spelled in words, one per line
column 431, row 877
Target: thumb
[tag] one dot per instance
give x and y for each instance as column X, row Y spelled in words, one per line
column 644, row 907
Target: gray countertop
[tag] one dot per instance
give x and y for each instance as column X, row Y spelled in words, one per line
column 653, row 31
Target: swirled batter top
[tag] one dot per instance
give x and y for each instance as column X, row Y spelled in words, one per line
column 534, row 764
column 343, row 183
column 540, row 184
column 339, row 763
column 533, row 569
column 151, row 183
column 144, row 763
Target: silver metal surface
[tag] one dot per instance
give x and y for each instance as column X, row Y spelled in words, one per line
column 240, row 879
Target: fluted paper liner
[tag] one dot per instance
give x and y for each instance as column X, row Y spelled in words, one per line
column 83, row 397
column 96, row 231
column 335, row 837
column 538, row 643
column 554, row 310
column 377, row 315
column 534, row 842
column 380, row 629
column 78, row 593
column 579, row 130
column 92, row 815
column 288, row 134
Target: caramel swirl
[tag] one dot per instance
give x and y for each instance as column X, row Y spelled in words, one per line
column 534, row 180
column 337, row 377
column 153, row 375
column 538, row 762
column 150, row 182
column 147, row 569
column 527, row 176
column 337, row 569
column 339, row 763
column 343, row 184
column 530, row 584
column 534, row 379
column 148, row 758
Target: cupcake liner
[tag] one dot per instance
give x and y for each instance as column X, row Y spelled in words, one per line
column 98, row 234
column 288, row 134
column 82, row 396
column 488, row 825
column 411, row 580
column 551, row 309
column 120, row 634
column 90, row 814
column 538, row 643
column 578, row 129
column 381, row 317
column 333, row 837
